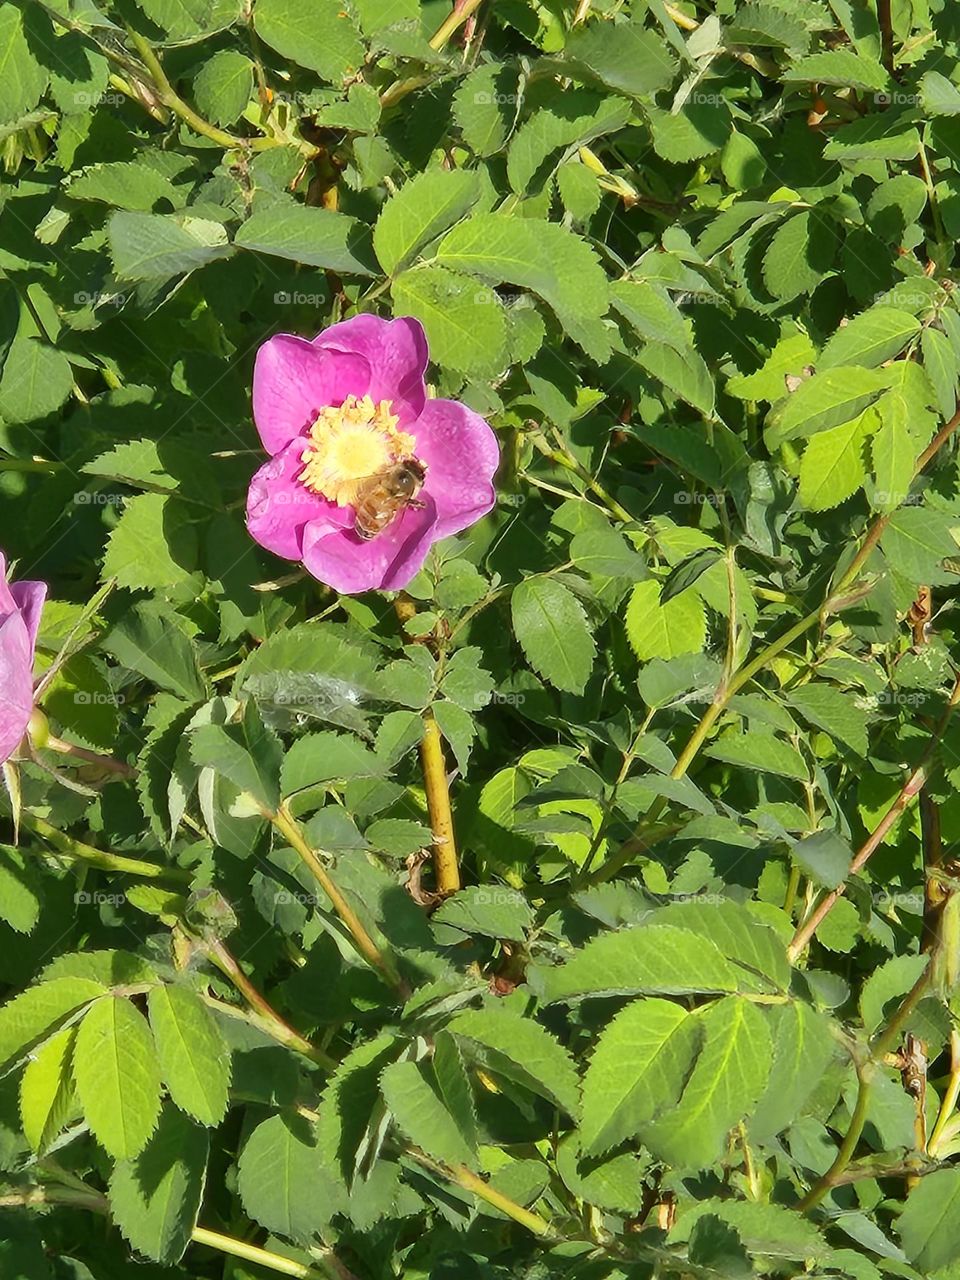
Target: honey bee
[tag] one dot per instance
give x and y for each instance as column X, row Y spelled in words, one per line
column 384, row 496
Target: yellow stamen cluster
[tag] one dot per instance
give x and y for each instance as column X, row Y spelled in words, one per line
column 350, row 444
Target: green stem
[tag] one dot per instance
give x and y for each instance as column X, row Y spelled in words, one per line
column 473, row 1183
column 279, row 1029
column 565, row 459
column 767, row 654
column 253, row 1253
column 170, row 98
column 866, row 1073
column 112, row 765
column 453, row 23
column 72, row 848
column 290, row 829
column 907, row 794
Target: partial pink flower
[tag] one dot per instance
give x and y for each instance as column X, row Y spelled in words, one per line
column 20, row 606
column 339, row 416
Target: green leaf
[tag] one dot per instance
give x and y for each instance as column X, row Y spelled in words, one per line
column 422, row 209
column 870, row 339
column 915, row 542
column 835, row 712
column 553, row 630
column 622, row 56
column 927, row 1225
column 637, row 1070
column 728, row 1078
column 484, row 107
column 153, row 545
column 652, row 960
column 47, row 1096
column 20, row 891
column 826, row 400
column 833, row 466
column 315, row 237
column 799, row 255
column 552, row 262
column 153, row 246
column 760, row 750
column 326, row 757
column 193, row 1055
column 186, row 20
column 413, row 1096
column 118, row 1080
column 650, row 313
column 493, row 911
column 22, row 78
column 155, row 1198
column 223, row 86
column 666, row 630
column 36, row 380
column 317, row 34
column 464, row 319
column 278, row 1161
column 824, row 856
column 683, row 372
column 145, row 641
column 735, row 931
column 943, row 368
column 839, row 67
column 251, row 764
column 520, row 1050
column 803, row 1050
column 36, row 1013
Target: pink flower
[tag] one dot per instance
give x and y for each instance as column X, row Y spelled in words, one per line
column 20, row 605
column 346, row 419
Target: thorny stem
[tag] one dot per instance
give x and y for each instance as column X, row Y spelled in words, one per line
column 438, row 803
column 281, row 1030
column 290, row 829
column 72, row 848
column 446, row 866
column 865, row 1073
column 908, row 793
column 766, row 655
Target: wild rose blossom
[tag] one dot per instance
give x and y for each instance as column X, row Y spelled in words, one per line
column 20, row 606
column 337, row 410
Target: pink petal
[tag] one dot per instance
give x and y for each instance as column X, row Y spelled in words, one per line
column 385, row 563
column 293, row 380
column 16, row 683
column 28, row 597
column 462, row 456
column 278, row 507
column 396, row 351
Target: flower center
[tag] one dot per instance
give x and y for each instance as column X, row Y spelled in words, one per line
column 348, row 445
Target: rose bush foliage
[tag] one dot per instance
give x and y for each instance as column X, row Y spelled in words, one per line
column 669, row 989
